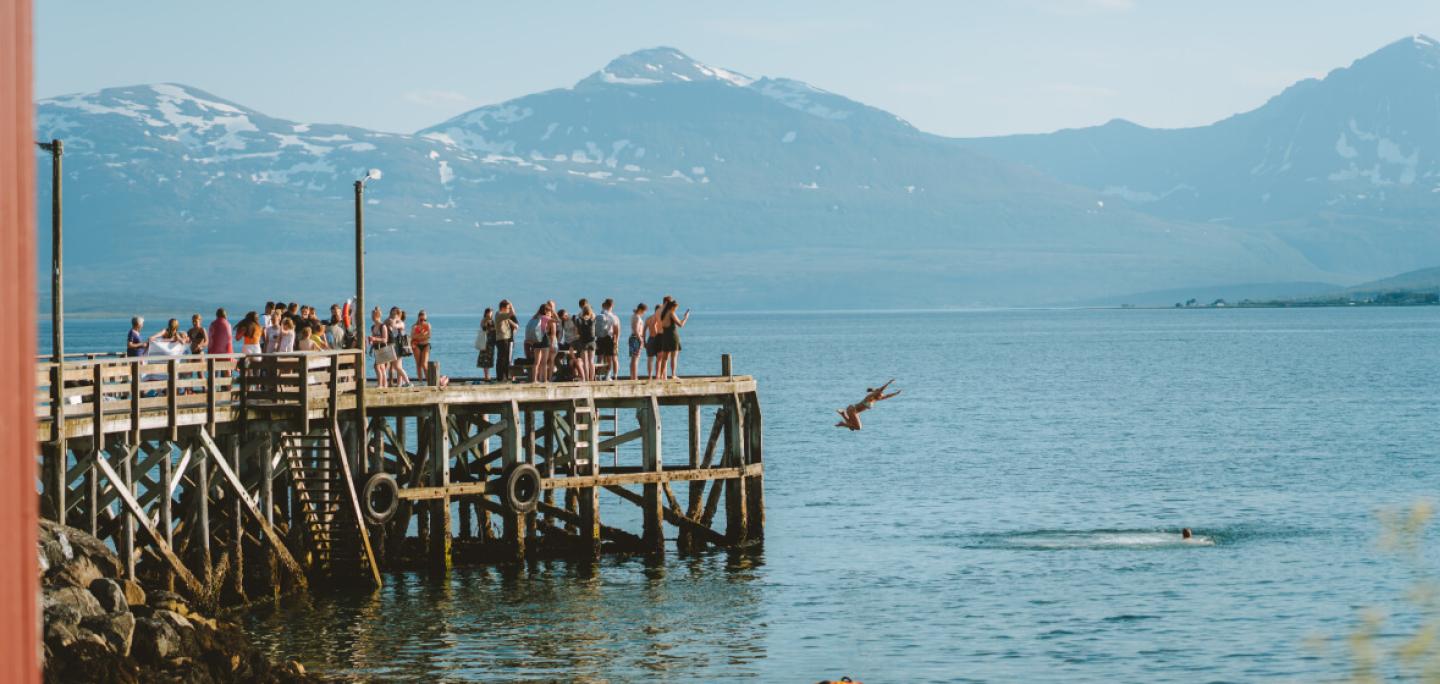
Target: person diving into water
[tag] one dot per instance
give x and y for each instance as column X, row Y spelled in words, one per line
column 850, row 415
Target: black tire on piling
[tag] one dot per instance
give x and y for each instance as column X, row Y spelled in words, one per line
column 520, row 488
column 387, row 489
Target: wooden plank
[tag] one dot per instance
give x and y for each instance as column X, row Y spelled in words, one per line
column 737, row 526
column 192, row 585
column 440, row 532
column 276, row 542
column 673, row 516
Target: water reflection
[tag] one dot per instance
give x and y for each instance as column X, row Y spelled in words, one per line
column 618, row 619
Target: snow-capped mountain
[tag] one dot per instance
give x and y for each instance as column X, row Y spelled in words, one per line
column 655, row 173
column 1344, row 168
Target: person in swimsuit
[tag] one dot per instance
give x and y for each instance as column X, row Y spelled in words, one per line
column 637, row 338
column 669, row 345
column 249, row 333
column 420, row 344
column 379, row 341
column 850, row 415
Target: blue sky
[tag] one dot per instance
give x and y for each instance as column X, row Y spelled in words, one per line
column 955, row 68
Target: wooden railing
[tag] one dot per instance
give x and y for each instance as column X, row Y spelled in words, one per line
column 96, row 387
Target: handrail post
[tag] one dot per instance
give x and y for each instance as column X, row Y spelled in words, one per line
column 304, row 375
column 725, row 366
column 172, row 400
column 210, row 393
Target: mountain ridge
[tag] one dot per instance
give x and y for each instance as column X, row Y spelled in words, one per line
column 744, row 190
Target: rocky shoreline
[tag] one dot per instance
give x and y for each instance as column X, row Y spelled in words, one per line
column 100, row 626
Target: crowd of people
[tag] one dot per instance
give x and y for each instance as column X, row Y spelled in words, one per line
column 555, row 344
column 581, row 345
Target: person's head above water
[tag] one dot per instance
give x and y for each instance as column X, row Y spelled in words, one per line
column 1185, row 533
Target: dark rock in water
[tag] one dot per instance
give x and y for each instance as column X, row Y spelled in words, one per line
column 110, row 595
column 117, row 630
column 79, row 571
column 155, row 641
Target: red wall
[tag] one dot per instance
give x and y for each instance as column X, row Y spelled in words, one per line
column 19, row 580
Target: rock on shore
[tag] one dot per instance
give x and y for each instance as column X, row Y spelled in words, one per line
column 102, row 627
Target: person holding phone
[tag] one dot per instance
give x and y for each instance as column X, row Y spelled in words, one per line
column 669, row 344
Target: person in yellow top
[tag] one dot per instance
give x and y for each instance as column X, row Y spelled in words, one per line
column 420, row 344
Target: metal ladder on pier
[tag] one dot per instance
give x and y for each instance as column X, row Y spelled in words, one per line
column 329, row 510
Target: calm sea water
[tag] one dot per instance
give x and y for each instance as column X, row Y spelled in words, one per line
column 1011, row 517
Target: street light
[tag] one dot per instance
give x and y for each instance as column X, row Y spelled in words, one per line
column 361, row 371
column 56, row 476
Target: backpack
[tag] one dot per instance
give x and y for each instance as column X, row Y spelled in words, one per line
column 586, row 329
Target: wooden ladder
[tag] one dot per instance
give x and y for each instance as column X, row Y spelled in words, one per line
column 609, row 426
column 329, row 509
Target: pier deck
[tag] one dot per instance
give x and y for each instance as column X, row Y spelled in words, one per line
column 190, row 465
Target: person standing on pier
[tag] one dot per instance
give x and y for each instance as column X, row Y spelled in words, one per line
column 380, row 348
column 485, row 344
column 220, row 339
column 505, row 326
column 249, row 333
column 196, row 335
column 669, row 333
column 607, row 335
column 536, row 339
column 637, row 338
column 135, row 344
column 652, row 339
column 584, row 342
column 420, row 343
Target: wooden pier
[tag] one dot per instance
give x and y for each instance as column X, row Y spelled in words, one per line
column 228, row 475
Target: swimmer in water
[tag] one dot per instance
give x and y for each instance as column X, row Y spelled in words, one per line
column 1185, row 534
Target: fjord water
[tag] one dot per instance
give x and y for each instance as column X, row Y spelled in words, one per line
column 1012, row 516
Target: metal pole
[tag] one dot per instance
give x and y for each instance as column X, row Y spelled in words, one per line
column 362, row 440
column 56, row 479
column 57, row 291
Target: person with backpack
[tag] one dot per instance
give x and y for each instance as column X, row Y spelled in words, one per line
column 538, row 337
column 584, row 343
column 505, row 327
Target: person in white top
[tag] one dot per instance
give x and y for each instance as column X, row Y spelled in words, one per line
column 607, row 337
column 285, row 341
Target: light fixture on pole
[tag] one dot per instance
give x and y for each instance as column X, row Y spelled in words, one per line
column 361, row 441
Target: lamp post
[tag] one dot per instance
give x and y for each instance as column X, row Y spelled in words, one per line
column 56, row 477
column 361, row 371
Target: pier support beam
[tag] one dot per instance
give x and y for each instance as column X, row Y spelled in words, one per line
column 736, row 507
column 654, row 506
column 512, row 455
column 440, row 477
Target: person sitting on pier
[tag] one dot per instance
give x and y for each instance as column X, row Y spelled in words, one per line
column 850, row 415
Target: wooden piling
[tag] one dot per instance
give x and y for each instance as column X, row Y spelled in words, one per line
column 440, row 539
column 653, row 508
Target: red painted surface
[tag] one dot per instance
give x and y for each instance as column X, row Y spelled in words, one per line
column 19, row 580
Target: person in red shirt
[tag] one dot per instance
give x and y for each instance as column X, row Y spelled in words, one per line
column 221, row 337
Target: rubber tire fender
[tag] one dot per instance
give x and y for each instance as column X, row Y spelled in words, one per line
column 520, row 488
column 385, row 485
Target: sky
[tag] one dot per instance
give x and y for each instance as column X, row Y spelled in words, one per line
column 957, row 68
